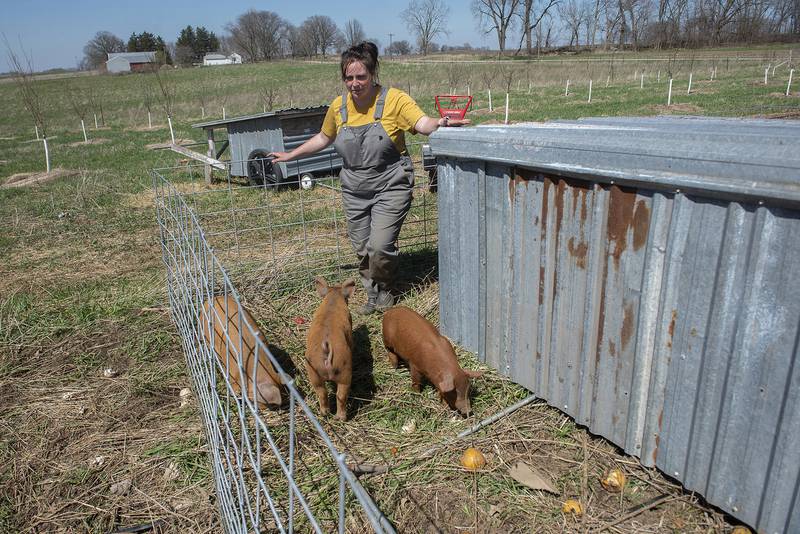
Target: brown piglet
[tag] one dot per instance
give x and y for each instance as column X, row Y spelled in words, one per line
column 329, row 345
column 410, row 337
column 226, row 318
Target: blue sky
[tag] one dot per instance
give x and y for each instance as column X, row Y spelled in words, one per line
column 53, row 33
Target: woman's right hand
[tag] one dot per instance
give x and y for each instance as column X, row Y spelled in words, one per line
column 279, row 156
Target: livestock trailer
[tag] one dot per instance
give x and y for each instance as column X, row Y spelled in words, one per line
column 643, row 276
column 252, row 137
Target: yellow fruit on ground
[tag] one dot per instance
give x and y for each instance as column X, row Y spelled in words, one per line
column 571, row 506
column 614, row 481
column 473, row 459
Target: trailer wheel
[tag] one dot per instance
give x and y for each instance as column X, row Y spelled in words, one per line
column 260, row 169
column 307, row 180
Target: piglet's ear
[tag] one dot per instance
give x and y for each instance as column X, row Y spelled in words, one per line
column 472, row 374
column 447, row 384
column 348, row 288
column 321, row 285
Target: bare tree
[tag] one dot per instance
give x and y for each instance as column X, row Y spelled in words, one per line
column 426, row 19
column 80, row 106
column 95, row 52
column 96, row 104
column 400, row 48
column 166, row 94
column 321, row 32
column 268, row 96
column 574, row 15
column 353, row 32
column 148, row 100
column 22, row 73
column 298, row 42
column 496, row 16
column 533, row 12
column 257, row 35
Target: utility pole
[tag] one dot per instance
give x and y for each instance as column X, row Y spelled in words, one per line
column 390, row 45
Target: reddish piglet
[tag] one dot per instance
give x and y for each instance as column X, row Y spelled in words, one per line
column 227, row 344
column 410, row 337
column 329, row 346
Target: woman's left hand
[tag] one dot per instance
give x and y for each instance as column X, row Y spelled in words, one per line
column 457, row 122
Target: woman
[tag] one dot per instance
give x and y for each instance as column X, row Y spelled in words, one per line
column 377, row 175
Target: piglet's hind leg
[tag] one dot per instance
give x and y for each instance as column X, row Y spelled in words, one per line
column 319, row 388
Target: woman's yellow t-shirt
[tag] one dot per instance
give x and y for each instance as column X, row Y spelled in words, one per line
column 400, row 114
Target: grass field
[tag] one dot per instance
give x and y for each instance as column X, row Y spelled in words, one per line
column 82, row 291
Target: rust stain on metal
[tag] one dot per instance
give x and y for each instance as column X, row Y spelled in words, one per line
column 627, row 325
column 671, row 329
column 575, row 194
column 541, row 285
column 514, row 182
column 612, row 348
column 641, row 224
column 620, row 219
column 658, row 435
column 578, row 251
column 560, row 194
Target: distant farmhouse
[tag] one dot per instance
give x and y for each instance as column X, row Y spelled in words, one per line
column 220, row 59
column 131, row 61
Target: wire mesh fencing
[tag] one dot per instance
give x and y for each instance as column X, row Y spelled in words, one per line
column 275, row 467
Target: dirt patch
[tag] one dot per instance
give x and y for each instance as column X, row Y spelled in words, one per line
column 794, row 114
column 24, row 179
column 96, row 141
column 159, row 146
column 795, row 94
column 676, row 108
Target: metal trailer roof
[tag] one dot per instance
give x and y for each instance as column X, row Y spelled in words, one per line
column 643, row 276
column 281, row 113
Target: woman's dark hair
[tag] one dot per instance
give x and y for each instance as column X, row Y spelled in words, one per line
column 365, row 52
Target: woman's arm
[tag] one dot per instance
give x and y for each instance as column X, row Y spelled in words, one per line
column 427, row 125
column 315, row 144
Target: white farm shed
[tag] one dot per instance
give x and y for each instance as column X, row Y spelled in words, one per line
column 221, row 59
column 130, row 61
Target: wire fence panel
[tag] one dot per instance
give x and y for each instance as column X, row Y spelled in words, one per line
column 274, row 469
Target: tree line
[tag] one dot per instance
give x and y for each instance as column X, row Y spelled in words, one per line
column 637, row 23
column 518, row 25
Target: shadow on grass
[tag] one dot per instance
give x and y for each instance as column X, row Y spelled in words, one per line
column 417, row 267
column 363, row 388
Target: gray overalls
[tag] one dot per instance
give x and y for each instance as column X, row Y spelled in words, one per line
column 377, row 186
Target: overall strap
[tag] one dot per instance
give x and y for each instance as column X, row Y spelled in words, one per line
column 380, row 103
column 343, row 110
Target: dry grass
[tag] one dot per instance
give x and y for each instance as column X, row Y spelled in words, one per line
column 93, row 141
column 25, row 179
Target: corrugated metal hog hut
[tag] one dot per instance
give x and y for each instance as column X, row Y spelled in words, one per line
column 643, row 276
column 252, row 137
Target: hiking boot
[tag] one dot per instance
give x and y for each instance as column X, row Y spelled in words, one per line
column 384, row 301
column 370, row 306
column 379, row 302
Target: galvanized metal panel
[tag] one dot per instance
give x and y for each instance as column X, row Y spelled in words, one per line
column 458, row 268
column 246, row 136
column 665, row 319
